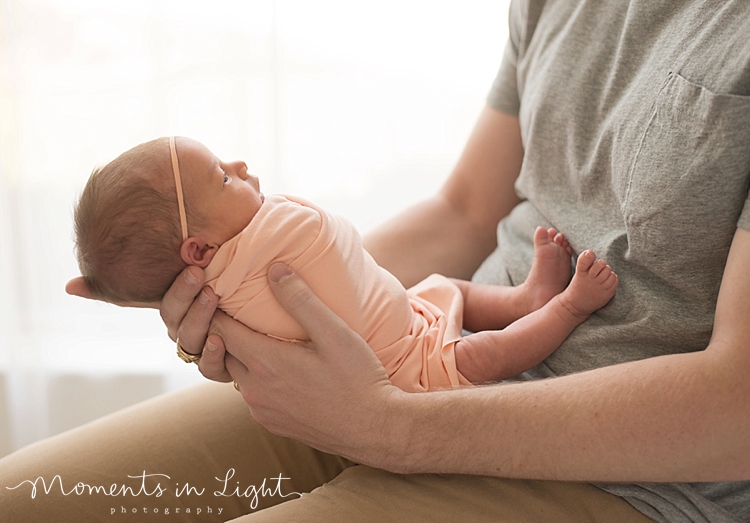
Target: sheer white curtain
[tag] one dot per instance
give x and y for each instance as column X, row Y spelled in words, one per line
column 362, row 107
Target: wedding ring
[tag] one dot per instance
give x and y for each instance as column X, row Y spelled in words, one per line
column 236, row 387
column 186, row 356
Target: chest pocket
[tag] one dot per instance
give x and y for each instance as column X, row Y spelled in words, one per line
column 687, row 183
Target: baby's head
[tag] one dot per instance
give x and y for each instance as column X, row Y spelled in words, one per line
column 130, row 237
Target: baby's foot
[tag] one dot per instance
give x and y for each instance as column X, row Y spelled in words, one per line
column 593, row 285
column 550, row 271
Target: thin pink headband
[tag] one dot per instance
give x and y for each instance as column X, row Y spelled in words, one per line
column 178, row 188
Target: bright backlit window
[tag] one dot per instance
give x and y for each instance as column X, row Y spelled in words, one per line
column 362, row 107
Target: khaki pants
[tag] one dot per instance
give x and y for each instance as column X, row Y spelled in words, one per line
column 197, row 455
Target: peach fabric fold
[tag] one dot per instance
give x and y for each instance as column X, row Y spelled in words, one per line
column 412, row 332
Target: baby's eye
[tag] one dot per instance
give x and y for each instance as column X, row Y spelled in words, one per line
column 227, row 179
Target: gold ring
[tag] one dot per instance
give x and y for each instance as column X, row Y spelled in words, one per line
column 186, row 356
column 236, row 387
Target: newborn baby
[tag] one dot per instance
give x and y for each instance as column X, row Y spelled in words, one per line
column 170, row 203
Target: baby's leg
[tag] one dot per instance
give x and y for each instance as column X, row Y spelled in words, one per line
column 496, row 307
column 496, row 355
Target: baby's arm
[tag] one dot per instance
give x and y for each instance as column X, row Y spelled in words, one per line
column 500, row 354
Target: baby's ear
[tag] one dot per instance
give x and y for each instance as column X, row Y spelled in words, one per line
column 195, row 251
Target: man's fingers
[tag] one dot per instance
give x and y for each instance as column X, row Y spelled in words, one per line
column 195, row 325
column 77, row 287
column 179, row 298
column 235, row 367
column 212, row 360
column 304, row 306
column 237, row 370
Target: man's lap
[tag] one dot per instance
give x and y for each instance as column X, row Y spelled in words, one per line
column 204, row 438
column 365, row 495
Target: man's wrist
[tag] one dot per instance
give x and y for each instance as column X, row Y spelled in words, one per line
column 392, row 444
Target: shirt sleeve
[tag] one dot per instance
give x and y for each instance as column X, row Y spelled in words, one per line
column 744, row 221
column 503, row 94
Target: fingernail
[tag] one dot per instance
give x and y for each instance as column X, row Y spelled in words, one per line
column 210, row 346
column 203, row 298
column 279, row 272
column 190, row 278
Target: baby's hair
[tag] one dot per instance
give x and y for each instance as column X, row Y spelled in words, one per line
column 127, row 226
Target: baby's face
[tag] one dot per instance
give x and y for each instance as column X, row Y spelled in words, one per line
column 224, row 193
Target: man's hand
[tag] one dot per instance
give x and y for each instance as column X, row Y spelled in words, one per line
column 187, row 310
column 77, row 287
column 331, row 393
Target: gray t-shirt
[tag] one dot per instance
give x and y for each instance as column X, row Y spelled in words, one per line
column 635, row 118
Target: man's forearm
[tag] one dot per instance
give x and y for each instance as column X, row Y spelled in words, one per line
column 682, row 417
column 452, row 232
column 425, row 238
column 674, row 418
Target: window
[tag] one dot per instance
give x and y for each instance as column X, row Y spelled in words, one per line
column 362, row 107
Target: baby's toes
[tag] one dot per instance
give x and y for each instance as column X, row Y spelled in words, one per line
column 604, row 273
column 562, row 241
column 612, row 281
column 600, row 270
column 541, row 236
column 585, row 261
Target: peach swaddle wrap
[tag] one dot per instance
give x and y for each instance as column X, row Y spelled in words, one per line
column 412, row 332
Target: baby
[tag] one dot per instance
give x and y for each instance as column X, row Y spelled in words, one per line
column 170, row 203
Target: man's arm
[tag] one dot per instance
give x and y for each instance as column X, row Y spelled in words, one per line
column 452, row 232
column 682, row 417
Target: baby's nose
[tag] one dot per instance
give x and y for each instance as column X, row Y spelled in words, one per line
column 240, row 168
